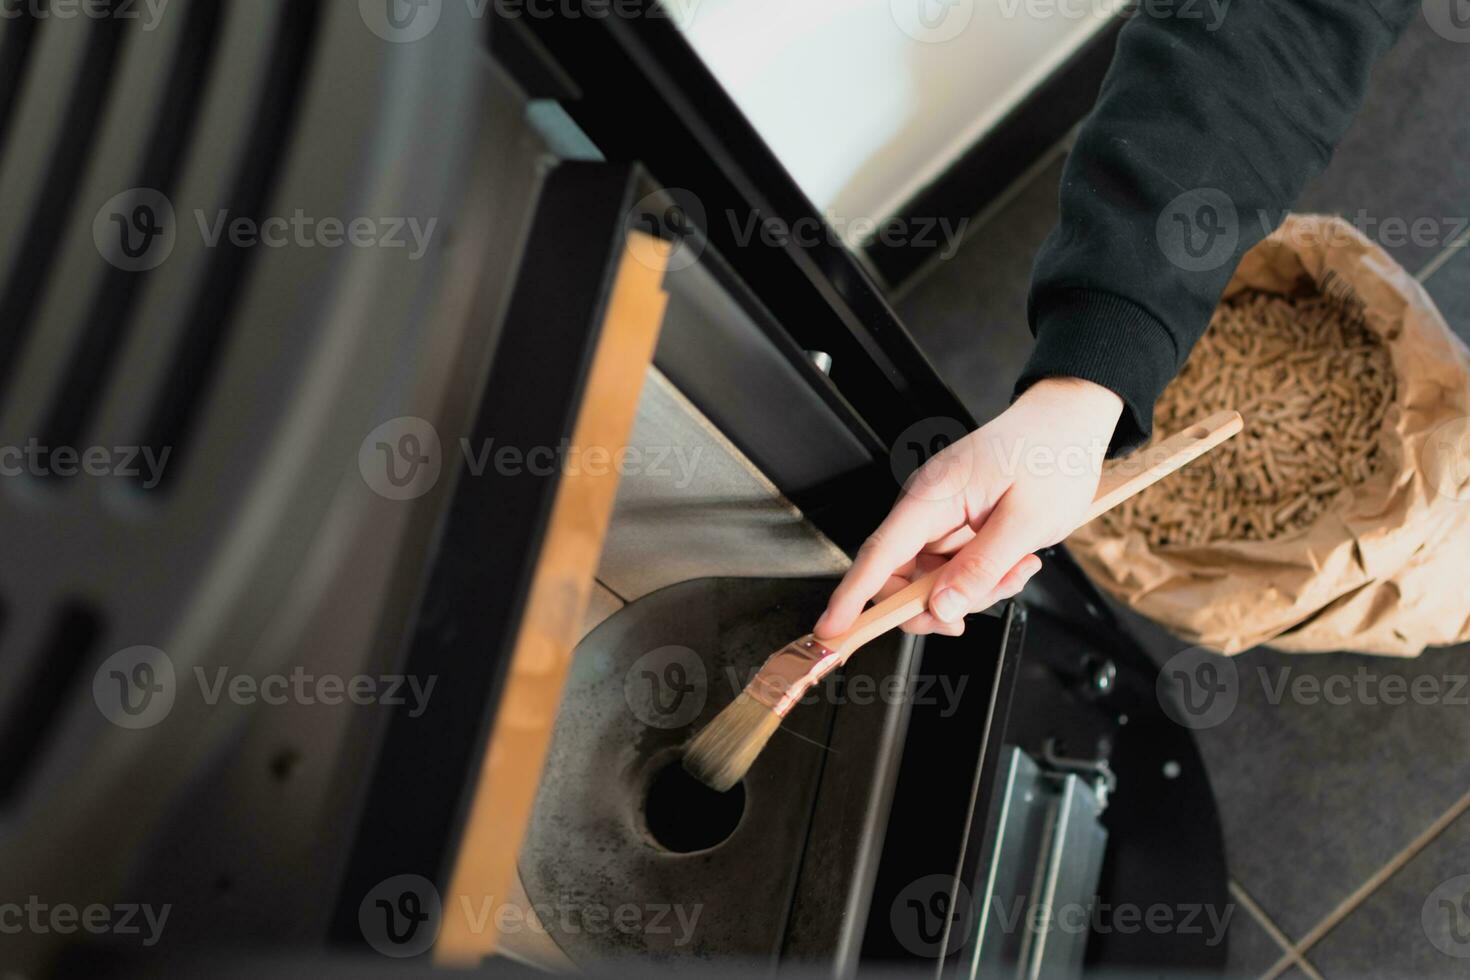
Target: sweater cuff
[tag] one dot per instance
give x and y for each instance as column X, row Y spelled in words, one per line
column 1111, row 341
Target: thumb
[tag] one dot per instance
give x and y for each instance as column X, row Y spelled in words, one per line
column 972, row 575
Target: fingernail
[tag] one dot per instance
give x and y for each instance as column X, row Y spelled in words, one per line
column 821, row 627
column 1035, row 567
column 949, row 606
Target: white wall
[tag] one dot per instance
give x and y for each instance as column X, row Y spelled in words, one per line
column 866, row 101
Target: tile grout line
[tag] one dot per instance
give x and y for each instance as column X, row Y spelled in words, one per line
column 1367, row 888
column 1438, row 262
column 1272, row 930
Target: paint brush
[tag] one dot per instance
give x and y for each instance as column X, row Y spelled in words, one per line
column 724, row 751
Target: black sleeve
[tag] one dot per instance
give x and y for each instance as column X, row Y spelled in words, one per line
column 1205, row 131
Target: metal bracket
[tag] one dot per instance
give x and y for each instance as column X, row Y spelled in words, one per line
column 1099, row 774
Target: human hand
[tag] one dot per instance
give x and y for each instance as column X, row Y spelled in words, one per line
column 1018, row 484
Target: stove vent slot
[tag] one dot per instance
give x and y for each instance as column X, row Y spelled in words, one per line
column 50, row 214
column 21, row 25
column 37, row 701
column 83, row 381
column 177, row 405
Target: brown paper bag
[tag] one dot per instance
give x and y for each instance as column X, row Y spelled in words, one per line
column 1385, row 569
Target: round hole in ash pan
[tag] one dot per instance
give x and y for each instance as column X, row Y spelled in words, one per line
column 684, row 815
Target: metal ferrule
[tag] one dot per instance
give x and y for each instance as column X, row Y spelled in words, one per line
column 792, row 671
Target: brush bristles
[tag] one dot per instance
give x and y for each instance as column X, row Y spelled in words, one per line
column 723, row 753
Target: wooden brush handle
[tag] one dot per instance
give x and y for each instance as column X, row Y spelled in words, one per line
column 1121, row 479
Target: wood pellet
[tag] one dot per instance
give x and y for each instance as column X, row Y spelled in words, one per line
column 1314, row 383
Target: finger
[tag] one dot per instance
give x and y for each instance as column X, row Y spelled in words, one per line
column 898, row 539
column 895, row 582
column 921, row 565
column 924, row 563
column 1010, row 586
column 1014, row 581
column 951, row 542
column 926, row 623
column 976, row 570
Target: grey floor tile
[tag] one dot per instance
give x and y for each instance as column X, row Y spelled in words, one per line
column 1403, row 160
column 1450, row 288
column 968, row 312
column 1321, row 784
column 1252, row 950
column 1316, row 796
column 1403, row 929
